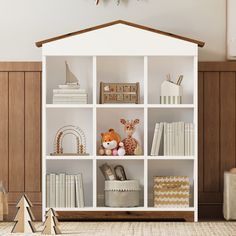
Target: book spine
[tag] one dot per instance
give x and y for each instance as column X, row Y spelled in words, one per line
column 154, row 141
column 48, row 190
column 52, row 190
column 159, row 137
column 165, row 139
column 191, row 134
column 69, row 91
column 81, row 190
column 182, row 139
column 171, row 139
column 72, row 197
column 57, row 192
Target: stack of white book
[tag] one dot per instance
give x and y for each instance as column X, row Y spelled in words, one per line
column 69, row 94
column 177, row 139
column 64, row 190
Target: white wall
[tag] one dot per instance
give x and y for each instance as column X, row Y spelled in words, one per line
column 26, row 21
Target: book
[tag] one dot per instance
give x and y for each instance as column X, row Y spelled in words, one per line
column 81, row 190
column 159, row 138
column 72, row 191
column 68, row 86
column 165, row 139
column 154, row 140
column 48, row 190
column 69, row 91
column 191, row 135
column 57, row 197
column 72, row 95
column 52, row 192
column 62, row 189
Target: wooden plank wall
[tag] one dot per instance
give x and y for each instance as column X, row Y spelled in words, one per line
column 20, row 135
column 217, row 123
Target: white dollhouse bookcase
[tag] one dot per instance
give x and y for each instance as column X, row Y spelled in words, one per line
column 120, row 52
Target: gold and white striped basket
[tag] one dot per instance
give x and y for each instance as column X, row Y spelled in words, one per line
column 171, row 191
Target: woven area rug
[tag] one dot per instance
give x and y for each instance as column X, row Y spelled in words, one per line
column 136, row 228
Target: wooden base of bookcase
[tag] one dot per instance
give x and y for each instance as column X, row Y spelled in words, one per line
column 126, row 215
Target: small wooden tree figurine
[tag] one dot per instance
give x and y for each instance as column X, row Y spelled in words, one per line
column 23, row 217
column 51, row 223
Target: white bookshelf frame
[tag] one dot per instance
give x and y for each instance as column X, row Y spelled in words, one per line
column 161, row 46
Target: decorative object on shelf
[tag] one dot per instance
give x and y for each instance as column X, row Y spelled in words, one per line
column 24, row 217
column 171, row 92
column 119, row 93
column 51, row 223
column 74, row 131
column 171, row 191
column 131, row 145
column 107, row 172
column 3, row 203
column 229, row 205
column 111, row 144
column 70, row 92
column 71, row 79
column 122, row 193
column 120, row 172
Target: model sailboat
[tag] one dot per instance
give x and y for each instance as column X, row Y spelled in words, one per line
column 71, row 79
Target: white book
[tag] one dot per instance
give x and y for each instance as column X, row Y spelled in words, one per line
column 186, row 139
column 154, row 140
column 67, row 191
column 81, row 190
column 181, row 138
column 159, row 138
column 62, row 189
column 69, row 91
column 52, row 190
column 68, row 86
column 165, row 139
column 48, row 190
column 168, row 139
column 70, row 102
column 57, row 192
column 191, row 135
column 77, row 199
column 171, row 139
column 72, row 195
column 71, row 95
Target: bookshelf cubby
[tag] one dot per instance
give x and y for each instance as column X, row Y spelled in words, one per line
column 147, row 57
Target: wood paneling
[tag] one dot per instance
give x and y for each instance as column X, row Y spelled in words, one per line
column 217, row 130
column 32, row 132
column 20, row 135
column 16, row 132
column 200, row 130
column 4, row 128
column 227, row 123
column 211, row 131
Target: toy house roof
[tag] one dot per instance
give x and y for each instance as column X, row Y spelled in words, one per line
column 133, row 25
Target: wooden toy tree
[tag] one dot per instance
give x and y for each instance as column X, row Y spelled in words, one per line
column 51, row 223
column 23, row 217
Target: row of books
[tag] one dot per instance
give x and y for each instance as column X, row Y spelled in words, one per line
column 64, row 190
column 177, row 139
column 69, row 95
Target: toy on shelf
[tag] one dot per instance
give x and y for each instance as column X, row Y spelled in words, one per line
column 51, row 223
column 119, row 93
column 111, row 144
column 74, row 131
column 24, row 217
column 171, row 92
column 131, row 145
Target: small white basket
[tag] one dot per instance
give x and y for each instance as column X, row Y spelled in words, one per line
column 171, row 93
column 122, row 193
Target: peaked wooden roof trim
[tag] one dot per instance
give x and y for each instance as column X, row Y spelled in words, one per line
column 40, row 43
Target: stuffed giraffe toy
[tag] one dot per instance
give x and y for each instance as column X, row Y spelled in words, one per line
column 131, row 145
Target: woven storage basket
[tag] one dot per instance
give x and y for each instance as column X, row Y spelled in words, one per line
column 122, row 193
column 171, row 191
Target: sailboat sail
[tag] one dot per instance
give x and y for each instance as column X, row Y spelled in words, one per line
column 70, row 77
